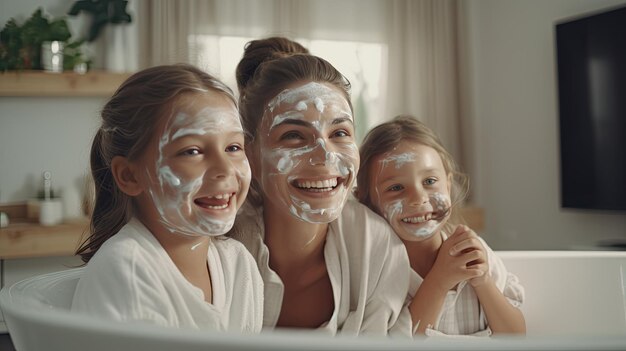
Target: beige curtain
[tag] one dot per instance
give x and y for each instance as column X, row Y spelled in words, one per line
column 163, row 30
column 422, row 66
column 166, row 28
column 420, row 35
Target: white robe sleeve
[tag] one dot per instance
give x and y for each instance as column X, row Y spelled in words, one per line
column 506, row 281
column 379, row 274
column 120, row 289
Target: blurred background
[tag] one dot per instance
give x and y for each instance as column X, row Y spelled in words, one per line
column 481, row 73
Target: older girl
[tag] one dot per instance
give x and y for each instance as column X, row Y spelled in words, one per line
column 170, row 174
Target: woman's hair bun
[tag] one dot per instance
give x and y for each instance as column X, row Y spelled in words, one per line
column 258, row 51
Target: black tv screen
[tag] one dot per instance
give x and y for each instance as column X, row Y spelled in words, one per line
column 591, row 64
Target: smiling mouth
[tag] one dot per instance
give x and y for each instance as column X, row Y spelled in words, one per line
column 318, row 186
column 418, row 219
column 215, row 202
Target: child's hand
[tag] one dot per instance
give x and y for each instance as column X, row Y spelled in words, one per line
column 469, row 243
column 461, row 257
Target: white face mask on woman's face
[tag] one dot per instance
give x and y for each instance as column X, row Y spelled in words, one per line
column 200, row 175
column 309, row 158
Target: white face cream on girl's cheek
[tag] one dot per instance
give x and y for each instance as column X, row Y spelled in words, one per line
column 440, row 202
column 287, row 165
column 396, row 210
column 174, row 195
column 392, row 209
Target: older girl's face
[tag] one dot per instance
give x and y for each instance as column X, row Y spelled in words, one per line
column 410, row 188
column 306, row 154
column 196, row 174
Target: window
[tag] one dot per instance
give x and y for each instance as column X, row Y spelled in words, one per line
column 360, row 62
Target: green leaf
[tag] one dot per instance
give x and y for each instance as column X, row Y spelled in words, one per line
column 102, row 12
column 20, row 46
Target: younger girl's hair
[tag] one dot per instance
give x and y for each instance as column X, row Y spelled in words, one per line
column 387, row 136
column 128, row 124
column 268, row 67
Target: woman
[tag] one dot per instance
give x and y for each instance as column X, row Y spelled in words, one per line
column 327, row 261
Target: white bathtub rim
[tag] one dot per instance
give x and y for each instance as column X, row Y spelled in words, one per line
column 290, row 340
column 560, row 254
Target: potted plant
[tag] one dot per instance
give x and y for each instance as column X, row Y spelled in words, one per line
column 111, row 22
column 20, row 45
column 102, row 13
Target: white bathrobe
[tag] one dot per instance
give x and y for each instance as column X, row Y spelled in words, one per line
column 132, row 278
column 367, row 265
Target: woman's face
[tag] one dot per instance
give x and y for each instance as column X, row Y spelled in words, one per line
column 195, row 171
column 306, row 158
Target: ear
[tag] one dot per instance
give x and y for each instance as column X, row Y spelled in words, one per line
column 125, row 176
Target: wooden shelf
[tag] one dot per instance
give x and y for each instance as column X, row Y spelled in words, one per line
column 26, row 240
column 40, row 83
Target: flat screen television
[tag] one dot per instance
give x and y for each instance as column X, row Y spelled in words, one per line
column 591, row 65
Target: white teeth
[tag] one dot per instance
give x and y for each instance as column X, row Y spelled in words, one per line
column 318, row 184
column 417, row 219
column 221, row 207
column 219, row 197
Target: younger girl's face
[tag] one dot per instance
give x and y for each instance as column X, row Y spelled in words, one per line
column 307, row 157
column 196, row 171
column 410, row 188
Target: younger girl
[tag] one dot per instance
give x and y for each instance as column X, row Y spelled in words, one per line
column 170, row 173
column 459, row 286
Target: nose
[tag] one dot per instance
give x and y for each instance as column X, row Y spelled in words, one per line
column 220, row 167
column 321, row 155
column 418, row 196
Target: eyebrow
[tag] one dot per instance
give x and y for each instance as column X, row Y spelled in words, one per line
column 297, row 122
column 300, row 122
column 340, row 120
column 388, row 179
column 195, row 132
column 427, row 171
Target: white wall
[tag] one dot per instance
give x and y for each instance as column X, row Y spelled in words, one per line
column 512, row 103
column 38, row 134
column 21, row 10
